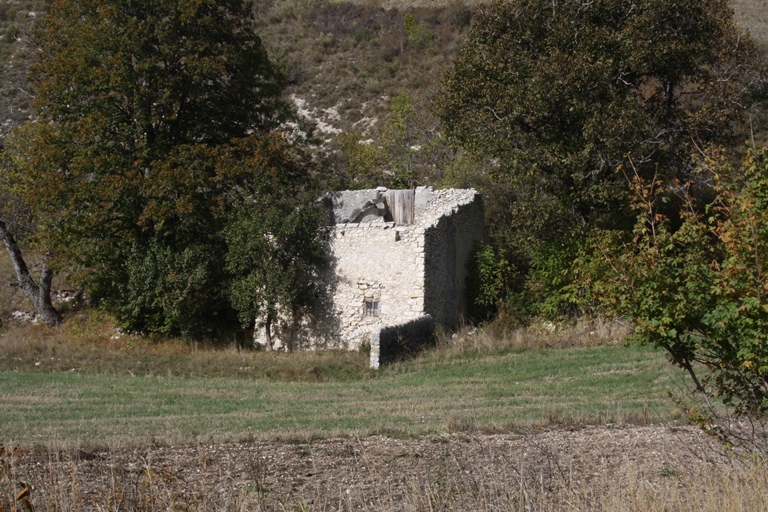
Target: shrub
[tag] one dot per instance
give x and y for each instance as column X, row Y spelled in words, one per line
column 486, row 282
column 419, row 34
column 700, row 290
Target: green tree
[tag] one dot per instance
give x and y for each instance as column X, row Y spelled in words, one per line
column 275, row 250
column 17, row 223
column 700, row 290
column 138, row 101
column 275, row 247
column 408, row 151
column 555, row 95
column 418, row 32
column 363, row 161
column 486, row 282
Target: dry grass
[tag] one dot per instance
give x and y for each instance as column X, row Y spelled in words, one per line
column 495, row 337
column 633, row 469
column 88, row 342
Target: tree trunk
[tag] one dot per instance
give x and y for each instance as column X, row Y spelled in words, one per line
column 268, row 332
column 39, row 295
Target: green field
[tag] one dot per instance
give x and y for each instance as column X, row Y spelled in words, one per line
column 437, row 392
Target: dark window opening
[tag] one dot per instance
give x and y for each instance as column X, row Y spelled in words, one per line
column 371, row 308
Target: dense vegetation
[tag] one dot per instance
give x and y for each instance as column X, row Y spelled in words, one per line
column 155, row 121
column 566, row 143
column 559, row 98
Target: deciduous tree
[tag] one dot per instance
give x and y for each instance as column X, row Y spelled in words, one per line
column 17, row 223
column 700, row 290
column 556, row 94
column 275, row 245
column 139, row 100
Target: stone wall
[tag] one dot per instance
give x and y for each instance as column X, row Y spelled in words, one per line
column 407, row 271
column 379, row 274
column 391, row 343
column 383, row 275
column 457, row 227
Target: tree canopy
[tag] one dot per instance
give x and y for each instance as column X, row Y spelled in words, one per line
column 555, row 96
column 274, row 243
column 595, row 117
column 559, row 93
column 140, row 104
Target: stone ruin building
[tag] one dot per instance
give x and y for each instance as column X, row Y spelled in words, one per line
column 398, row 265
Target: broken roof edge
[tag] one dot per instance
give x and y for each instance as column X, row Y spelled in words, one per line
column 443, row 203
column 430, row 205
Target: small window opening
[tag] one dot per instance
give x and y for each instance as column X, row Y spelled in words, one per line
column 371, row 308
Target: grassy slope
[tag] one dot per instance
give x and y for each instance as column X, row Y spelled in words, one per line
column 436, row 392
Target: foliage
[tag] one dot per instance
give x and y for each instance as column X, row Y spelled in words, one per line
column 409, row 150
column 398, row 139
column 14, row 182
column 363, row 160
column 167, row 290
column 486, row 282
column 274, row 245
column 572, row 278
column 171, row 72
column 554, row 134
column 699, row 290
column 419, row 34
column 17, row 222
column 148, row 110
column 360, row 70
column 549, row 279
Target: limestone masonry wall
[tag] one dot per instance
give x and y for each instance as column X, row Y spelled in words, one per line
column 456, row 227
column 385, row 276
column 379, row 273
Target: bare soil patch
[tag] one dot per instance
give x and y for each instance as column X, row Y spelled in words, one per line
column 593, row 467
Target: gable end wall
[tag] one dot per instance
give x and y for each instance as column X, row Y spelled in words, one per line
column 376, row 262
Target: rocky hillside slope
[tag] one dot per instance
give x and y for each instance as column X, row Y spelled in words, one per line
column 346, row 60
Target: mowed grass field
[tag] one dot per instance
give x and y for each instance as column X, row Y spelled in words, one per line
column 444, row 390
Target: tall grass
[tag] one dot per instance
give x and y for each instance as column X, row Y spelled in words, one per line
column 88, row 342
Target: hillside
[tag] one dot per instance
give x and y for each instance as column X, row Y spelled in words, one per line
column 16, row 20
column 346, row 61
